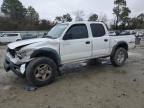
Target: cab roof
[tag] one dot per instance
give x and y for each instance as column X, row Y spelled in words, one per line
column 82, row 22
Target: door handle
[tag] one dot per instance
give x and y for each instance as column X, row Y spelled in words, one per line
column 105, row 40
column 88, row 42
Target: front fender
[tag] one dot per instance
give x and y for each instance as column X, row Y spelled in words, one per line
column 48, row 52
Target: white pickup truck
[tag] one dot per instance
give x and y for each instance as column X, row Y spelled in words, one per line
column 38, row 60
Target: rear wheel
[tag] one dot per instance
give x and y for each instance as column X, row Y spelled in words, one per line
column 41, row 71
column 119, row 57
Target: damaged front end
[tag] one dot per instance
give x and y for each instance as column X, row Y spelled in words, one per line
column 8, row 65
column 16, row 60
column 19, row 55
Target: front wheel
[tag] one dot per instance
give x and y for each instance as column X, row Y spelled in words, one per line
column 41, row 71
column 119, row 57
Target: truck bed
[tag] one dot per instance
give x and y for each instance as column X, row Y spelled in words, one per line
column 130, row 39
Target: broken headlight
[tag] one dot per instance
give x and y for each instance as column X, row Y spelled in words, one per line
column 23, row 53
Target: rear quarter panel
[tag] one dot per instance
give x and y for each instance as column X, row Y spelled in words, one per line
column 129, row 39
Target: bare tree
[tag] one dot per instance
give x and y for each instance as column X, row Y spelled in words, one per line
column 103, row 18
column 79, row 15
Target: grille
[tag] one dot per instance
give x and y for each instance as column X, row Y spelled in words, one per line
column 12, row 52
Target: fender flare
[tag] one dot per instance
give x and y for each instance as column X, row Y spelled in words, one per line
column 46, row 52
column 119, row 45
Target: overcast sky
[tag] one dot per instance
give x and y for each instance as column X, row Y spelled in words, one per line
column 48, row 9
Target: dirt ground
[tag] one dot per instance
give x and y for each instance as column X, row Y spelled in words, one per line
column 81, row 86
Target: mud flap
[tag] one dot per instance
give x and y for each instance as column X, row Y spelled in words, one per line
column 6, row 66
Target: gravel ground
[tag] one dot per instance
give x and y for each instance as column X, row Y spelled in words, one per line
column 81, row 86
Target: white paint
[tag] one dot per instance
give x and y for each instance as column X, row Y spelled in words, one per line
column 7, row 38
column 22, row 68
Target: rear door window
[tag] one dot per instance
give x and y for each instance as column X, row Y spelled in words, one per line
column 98, row 30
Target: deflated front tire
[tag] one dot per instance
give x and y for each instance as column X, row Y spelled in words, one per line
column 41, row 71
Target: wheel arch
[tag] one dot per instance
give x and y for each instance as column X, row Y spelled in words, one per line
column 121, row 44
column 47, row 52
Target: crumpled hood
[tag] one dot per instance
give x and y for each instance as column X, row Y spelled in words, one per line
column 26, row 42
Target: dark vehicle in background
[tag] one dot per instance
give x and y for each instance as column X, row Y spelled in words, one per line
column 125, row 32
column 122, row 32
column 112, row 33
column 28, row 36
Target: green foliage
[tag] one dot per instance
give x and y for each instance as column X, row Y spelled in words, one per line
column 132, row 23
column 14, row 9
column 93, row 17
column 141, row 17
column 67, row 17
column 7, row 24
column 120, row 2
column 138, row 22
column 17, row 17
column 45, row 25
column 31, row 14
column 121, row 11
column 59, row 19
column 64, row 18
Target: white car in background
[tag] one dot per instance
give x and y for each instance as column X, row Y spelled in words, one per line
column 10, row 37
column 139, row 34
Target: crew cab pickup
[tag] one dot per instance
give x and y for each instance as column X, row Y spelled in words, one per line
column 38, row 60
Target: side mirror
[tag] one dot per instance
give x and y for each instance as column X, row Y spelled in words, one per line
column 67, row 37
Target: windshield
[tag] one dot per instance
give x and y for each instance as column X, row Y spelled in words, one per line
column 56, row 31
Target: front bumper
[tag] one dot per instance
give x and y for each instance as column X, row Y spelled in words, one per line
column 8, row 65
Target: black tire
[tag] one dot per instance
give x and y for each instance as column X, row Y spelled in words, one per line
column 115, row 60
column 31, row 71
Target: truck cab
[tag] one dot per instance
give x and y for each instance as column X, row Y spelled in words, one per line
column 81, row 41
